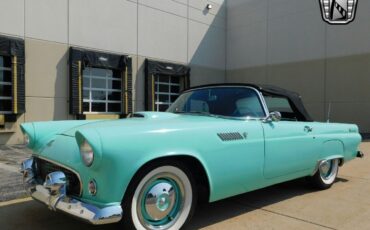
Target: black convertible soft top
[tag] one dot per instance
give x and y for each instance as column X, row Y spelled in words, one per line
column 294, row 98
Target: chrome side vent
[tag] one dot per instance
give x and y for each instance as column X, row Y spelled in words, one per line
column 230, row 136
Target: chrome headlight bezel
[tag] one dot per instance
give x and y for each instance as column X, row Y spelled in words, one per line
column 27, row 139
column 29, row 136
column 90, row 149
column 87, row 153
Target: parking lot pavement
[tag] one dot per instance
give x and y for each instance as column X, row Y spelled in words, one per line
column 292, row 205
column 11, row 186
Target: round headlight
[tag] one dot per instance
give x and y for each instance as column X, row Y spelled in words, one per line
column 87, row 153
column 26, row 139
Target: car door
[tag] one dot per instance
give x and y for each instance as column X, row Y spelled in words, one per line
column 289, row 144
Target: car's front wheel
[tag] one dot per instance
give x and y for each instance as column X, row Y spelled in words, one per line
column 161, row 196
column 326, row 174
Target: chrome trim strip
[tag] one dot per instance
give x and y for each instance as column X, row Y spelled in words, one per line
column 63, row 166
column 267, row 112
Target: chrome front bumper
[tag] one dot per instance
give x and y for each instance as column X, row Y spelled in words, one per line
column 53, row 194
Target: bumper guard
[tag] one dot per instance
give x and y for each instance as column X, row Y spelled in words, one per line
column 360, row 154
column 53, row 194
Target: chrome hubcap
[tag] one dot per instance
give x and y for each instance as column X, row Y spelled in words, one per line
column 325, row 168
column 161, row 202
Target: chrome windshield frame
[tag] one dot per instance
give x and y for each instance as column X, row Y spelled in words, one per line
column 259, row 94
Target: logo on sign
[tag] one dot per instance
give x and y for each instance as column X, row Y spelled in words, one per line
column 338, row 11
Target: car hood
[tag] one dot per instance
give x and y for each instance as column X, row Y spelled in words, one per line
column 143, row 121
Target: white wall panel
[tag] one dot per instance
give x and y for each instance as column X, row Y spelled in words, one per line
column 170, row 6
column 207, row 45
column 96, row 24
column 247, row 46
column 353, row 38
column 206, row 18
column 12, row 17
column 246, row 12
column 296, row 37
column 218, row 6
column 284, row 8
column 47, row 20
column 162, row 35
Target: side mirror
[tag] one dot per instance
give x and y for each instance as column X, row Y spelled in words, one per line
column 273, row 116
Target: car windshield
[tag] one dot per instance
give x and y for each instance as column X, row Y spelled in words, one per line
column 236, row 102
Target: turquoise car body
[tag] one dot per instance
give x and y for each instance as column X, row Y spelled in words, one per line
column 264, row 153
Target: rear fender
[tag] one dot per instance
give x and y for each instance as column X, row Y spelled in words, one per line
column 332, row 149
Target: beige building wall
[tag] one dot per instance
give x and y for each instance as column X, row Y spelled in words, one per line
column 280, row 42
column 286, row 43
column 179, row 31
column 47, row 85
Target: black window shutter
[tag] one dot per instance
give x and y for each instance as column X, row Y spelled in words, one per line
column 75, row 82
column 127, row 87
column 186, row 81
column 150, row 92
column 14, row 48
column 21, row 99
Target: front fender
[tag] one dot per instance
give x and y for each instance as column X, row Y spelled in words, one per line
column 138, row 165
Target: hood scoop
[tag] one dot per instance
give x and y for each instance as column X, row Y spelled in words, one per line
column 234, row 136
column 138, row 115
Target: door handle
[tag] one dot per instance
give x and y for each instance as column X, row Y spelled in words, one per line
column 308, row 129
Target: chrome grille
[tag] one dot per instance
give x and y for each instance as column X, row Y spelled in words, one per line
column 42, row 168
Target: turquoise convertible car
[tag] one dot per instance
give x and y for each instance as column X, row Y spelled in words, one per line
column 150, row 170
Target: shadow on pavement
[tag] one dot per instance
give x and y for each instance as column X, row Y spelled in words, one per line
column 210, row 214
column 33, row 215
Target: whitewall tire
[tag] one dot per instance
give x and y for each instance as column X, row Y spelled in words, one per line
column 162, row 197
column 326, row 174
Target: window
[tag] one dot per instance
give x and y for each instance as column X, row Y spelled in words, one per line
column 282, row 105
column 224, row 101
column 102, row 90
column 167, row 89
column 163, row 83
column 100, row 84
column 6, row 91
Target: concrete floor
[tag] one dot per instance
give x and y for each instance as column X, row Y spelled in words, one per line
column 292, row 205
column 11, row 182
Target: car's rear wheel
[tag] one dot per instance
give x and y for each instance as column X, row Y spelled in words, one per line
column 326, row 174
column 162, row 196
